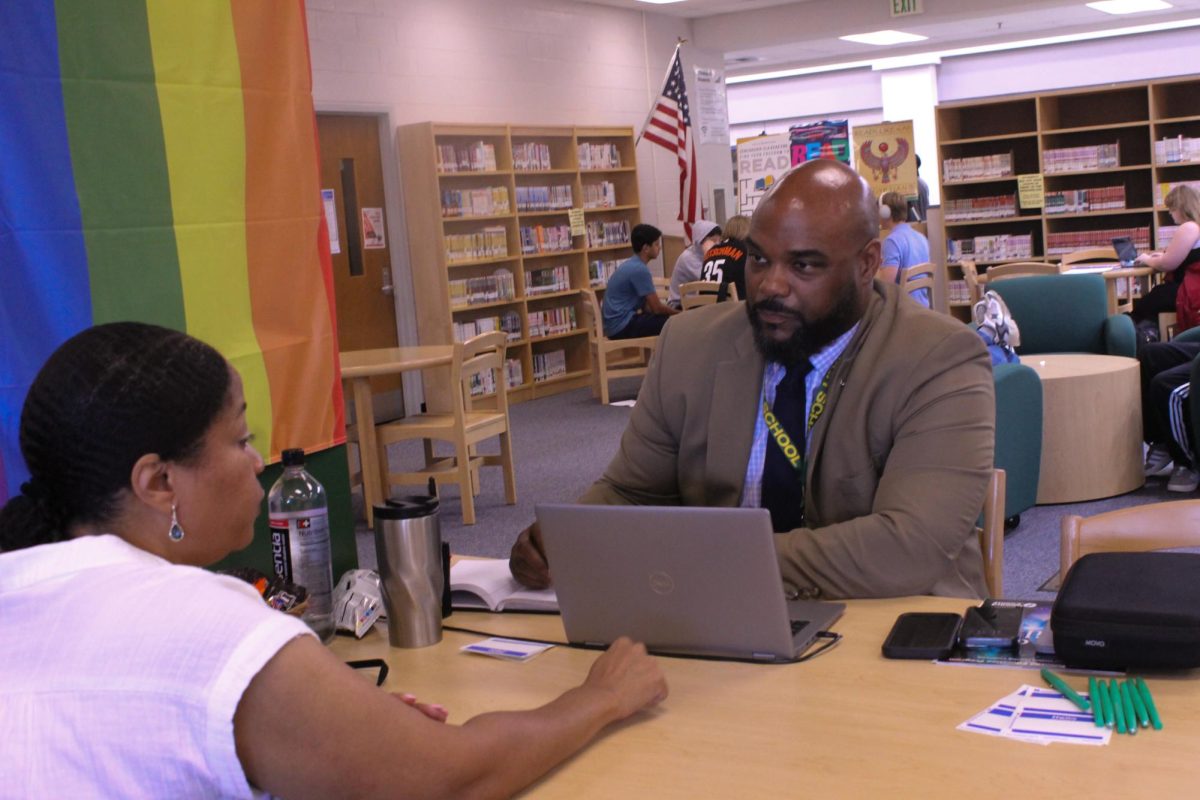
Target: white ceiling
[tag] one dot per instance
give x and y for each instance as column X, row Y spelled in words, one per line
column 761, row 35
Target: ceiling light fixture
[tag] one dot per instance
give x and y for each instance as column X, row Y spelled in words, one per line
column 1128, row 6
column 884, row 38
column 868, row 63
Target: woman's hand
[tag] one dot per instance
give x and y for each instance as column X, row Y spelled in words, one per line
column 432, row 710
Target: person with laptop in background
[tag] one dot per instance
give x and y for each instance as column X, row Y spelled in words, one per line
column 862, row 421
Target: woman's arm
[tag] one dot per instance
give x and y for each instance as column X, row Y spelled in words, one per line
column 308, row 726
column 1181, row 244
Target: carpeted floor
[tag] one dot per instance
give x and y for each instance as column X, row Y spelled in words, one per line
column 562, row 444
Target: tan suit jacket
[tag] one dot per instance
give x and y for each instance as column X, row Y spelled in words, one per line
column 897, row 465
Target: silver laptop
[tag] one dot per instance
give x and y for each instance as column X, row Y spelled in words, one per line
column 689, row 581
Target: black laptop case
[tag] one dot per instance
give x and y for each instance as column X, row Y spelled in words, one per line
column 1118, row 610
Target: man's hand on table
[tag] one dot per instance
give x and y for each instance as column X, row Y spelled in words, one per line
column 527, row 562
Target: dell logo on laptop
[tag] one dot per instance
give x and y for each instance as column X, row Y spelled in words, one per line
column 661, row 583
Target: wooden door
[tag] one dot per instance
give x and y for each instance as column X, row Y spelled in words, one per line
column 362, row 277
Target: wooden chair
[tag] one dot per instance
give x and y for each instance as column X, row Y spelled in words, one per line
column 971, row 277
column 1090, row 254
column 628, row 356
column 732, row 293
column 662, row 287
column 1155, row 526
column 991, row 534
column 1166, row 326
column 477, row 362
column 916, row 277
column 694, row 294
column 1021, row 269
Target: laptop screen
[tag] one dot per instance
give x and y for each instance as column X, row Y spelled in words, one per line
column 1126, row 250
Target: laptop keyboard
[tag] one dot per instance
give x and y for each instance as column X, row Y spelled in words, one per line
column 798, row 624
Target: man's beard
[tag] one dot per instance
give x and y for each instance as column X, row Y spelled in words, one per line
column 809, row 336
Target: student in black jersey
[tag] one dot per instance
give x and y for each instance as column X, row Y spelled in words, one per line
column 725, row 261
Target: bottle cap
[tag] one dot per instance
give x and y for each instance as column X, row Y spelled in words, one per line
column 293, row 457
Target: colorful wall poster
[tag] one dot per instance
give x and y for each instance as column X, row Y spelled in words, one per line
column 827, row 139
column 885, row 156
column 760, row 162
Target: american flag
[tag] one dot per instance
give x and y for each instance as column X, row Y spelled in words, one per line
column 669, row 126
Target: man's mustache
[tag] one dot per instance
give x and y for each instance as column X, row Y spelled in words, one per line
column 775, row 307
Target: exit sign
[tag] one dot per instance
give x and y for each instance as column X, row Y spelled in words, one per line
column 903, row 8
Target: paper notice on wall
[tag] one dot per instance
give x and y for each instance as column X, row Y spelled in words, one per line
column 372, row 229
column 710, row 112
column 760, row 162
column 335, row 242
column 575, row 220
column 1031, row 190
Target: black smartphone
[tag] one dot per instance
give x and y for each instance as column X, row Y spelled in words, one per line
column 922, row 634
column 991, row 626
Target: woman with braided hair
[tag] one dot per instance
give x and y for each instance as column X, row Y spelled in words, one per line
column 129, row 672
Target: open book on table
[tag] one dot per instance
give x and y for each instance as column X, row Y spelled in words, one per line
column 487, row 583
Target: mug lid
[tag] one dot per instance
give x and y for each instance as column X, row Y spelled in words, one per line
column 407, row 507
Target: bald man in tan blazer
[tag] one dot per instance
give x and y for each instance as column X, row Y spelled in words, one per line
column 898, row 463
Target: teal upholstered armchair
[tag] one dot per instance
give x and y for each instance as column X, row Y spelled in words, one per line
column 1065, row 314
column 1018, row 434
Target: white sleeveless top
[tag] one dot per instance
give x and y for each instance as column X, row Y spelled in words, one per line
column 121, row 672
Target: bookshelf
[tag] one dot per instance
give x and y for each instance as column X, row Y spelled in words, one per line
column 1106, row 156
column 488, row 212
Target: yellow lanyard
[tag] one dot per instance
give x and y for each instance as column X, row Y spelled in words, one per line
column 794, row 453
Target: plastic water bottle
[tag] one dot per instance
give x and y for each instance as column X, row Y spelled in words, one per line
column 299, row 521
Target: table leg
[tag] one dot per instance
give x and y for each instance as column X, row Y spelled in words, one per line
column 364, row 415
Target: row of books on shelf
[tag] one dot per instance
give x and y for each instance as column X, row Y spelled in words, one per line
column 1177, row 150
column 599, row 155
column 1000, row 247
column 531, row 156
column 547, row 280
column 509, row 322
column 545, row 239
column 997, row 165
column 476, row 202
column 484, row 289
column 957, row 292
column 474, row 157
column 980, row 208
column 600, row 270
column 1064, row 242
column 1076, row 159
column 604, row 234
column 544, row 198
column 1161, row 190
column 599, row 195
column 549, row 321
column 488, row 242
column 549, row 365
column 484, row 383
column 1077, row 201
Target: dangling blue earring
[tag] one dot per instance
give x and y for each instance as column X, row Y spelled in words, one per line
column 176, row 532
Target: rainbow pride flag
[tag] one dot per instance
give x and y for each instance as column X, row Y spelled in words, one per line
column 158, row 162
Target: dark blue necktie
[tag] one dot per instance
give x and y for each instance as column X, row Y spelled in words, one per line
column 782, row 483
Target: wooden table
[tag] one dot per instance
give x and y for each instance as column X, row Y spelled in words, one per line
column 358, row 367
column 848, row 724
column 1091, row 426
column 1113, row 274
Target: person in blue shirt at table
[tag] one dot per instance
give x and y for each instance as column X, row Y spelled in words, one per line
column 632, row 307
column 903, row 246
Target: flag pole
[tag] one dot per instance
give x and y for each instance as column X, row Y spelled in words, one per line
column 679, row 42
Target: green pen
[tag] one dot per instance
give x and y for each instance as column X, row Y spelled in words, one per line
column 1155, row 720
column 1097, row 706
column 1139, row 706
column 1118, row 709
column 1061, row 685
column 1127, row 705
column 1106, row 704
